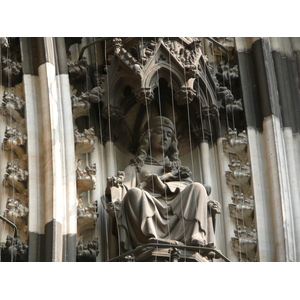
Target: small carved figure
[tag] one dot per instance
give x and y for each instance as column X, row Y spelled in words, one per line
column 157, row 199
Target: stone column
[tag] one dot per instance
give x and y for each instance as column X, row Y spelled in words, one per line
column 268, row 151
column 51, row 150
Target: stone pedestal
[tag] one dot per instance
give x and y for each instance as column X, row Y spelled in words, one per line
column 155, row 254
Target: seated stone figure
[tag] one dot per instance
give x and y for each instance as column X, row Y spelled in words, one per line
column 155, row 200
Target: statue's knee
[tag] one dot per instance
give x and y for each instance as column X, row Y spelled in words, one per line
column 197, row 185
column 200, row 188
column 134, row 194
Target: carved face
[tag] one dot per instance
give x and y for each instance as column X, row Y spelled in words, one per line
column 161, row 138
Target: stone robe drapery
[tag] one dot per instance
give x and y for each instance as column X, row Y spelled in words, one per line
column 181, row 215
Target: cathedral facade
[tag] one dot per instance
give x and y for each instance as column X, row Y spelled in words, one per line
column 71, row 114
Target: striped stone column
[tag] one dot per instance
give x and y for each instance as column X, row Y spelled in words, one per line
column 52, row 183
column 271, row 102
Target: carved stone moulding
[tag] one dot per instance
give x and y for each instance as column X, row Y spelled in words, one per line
column 86, row 179
column 126, row 57
column 16, row 177
column 186, row 52
column 85, row 141
column 13, row 106
column 148, row 51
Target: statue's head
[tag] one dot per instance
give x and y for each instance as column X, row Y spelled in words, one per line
column 156, row 126
column 160, row 121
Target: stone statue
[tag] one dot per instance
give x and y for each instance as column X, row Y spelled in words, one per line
column 155, row 200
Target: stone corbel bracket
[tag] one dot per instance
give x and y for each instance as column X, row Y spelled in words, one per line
column 234, row 107
column 86, row 179
column 144, row 95
column 208, row 112
column 226, row 74
column 16, row 212
column 225, row 95
column 113, row 112
column 16, row 177
column 127, row 58
column 86, row 215
column 14, row 106
column 88, row 252
column 84, row 142
column 185, row 95
column 238, row 175
column 235, row 143
column 77, row 69
column 13, row 250
column 245, row 242
column 10, row 67
column 242, row 209
column 4, row 42
column 80, row 106
column 15, row 141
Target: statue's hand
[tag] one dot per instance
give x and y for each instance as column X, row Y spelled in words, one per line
column 168, row 177
column 114, row 208
column 154, row 183
column 214, row 206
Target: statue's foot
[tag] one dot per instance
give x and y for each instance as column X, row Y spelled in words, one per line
column 164, row 241
column 197, row 242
